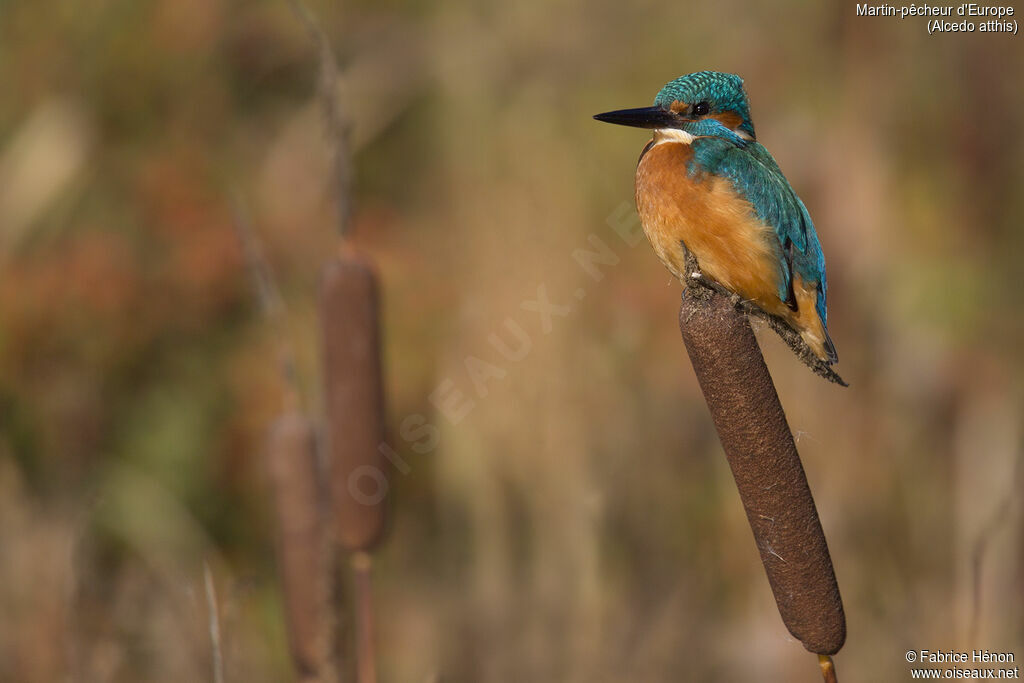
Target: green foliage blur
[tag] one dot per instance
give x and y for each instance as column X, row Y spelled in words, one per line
column 578, row 523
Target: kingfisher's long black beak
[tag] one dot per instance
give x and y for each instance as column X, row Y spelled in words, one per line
column 644, row 117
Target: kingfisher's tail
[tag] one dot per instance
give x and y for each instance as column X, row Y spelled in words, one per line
column 809, row 320
column 830, row 348
column 811, row 344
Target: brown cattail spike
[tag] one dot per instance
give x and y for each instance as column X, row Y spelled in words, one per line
column 354, row 400
column 300, row 549
column 766, row 466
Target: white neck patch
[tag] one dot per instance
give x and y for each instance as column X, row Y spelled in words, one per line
column 675, row 135
column 671, row 135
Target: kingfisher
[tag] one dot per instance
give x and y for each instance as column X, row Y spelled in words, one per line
column 704, row 184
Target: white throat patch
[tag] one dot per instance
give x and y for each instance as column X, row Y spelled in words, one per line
column 675, row 135
column 671, row 135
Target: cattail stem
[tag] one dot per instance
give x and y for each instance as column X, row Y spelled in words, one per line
column 366, row 665
column 828, row 668
column 766, row 466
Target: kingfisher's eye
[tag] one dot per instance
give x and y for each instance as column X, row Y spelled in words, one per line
column 701, row 108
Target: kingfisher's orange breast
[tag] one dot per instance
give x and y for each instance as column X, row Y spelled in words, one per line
column 722, row 230
column 731, row 244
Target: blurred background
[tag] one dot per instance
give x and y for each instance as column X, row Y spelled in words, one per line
column 574, row 519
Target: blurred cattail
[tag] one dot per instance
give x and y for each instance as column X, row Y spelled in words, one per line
column 302, row 554
column 766, row 466
column 353, row 388
column 291, row 463
column 354, row 405
column 354, row 400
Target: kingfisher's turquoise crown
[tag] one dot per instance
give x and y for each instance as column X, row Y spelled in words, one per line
column 722, row 91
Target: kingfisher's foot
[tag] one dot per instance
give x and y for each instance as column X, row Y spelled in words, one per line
column 705, row 286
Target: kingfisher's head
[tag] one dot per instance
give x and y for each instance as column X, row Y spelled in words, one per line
column 701, row 104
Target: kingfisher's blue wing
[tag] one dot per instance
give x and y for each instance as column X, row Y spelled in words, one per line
column 755, row 175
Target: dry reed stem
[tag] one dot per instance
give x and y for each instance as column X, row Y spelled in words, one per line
column 268, row 296
column 766, row 466
column 335, row 120
column 217, row 655
column 999, row 518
